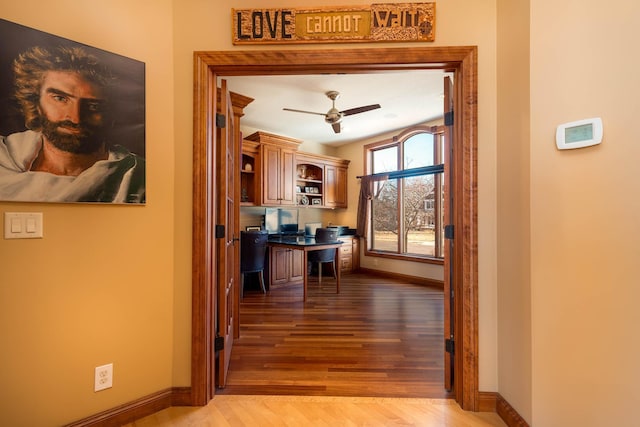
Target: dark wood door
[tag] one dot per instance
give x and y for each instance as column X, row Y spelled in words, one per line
column 226, row 208
column 449, row 242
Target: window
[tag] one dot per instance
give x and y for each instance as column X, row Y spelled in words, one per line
column 406, row 213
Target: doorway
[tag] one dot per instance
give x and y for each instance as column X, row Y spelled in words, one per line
column 462, row 61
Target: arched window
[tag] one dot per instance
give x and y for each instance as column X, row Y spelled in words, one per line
column 406, row 212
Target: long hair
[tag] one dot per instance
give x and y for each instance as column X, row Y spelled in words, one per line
column 30, row 67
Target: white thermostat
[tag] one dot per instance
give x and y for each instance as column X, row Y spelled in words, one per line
column 578, row 134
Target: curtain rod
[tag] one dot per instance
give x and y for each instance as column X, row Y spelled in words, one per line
column 425, row 170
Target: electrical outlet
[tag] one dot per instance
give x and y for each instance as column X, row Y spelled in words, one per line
column 103, row 377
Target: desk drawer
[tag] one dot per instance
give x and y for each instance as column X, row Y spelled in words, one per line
column 346, row 264
column 346, row 249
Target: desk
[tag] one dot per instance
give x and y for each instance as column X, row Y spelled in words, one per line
column 306, row 245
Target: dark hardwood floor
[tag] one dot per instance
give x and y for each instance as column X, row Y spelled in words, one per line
column 377, row 338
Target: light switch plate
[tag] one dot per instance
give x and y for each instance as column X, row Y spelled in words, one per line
column 23, row 225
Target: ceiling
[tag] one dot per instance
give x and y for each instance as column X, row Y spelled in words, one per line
column 406, row 98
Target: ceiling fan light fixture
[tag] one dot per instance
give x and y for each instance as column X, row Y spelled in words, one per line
column 334, row 116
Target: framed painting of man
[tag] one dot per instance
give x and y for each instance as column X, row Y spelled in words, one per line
column 72, row 121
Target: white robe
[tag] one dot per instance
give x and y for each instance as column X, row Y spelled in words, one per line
column 118, row 179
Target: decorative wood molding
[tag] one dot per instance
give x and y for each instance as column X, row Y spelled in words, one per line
column 270, row 138
column 425, row 281
column 462, row 60
column 203, row 267
column 139, row 408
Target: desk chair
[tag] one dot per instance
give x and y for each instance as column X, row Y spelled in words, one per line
column 324, row 255
column 253, row 248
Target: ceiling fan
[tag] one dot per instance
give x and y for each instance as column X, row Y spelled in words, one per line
column 333, row 116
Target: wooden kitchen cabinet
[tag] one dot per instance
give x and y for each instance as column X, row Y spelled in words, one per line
column 280, row 175
column 277, row 176
column 326, row 175
column 309, row 181
column 285, row 266
column 277, row 166
column 349, row 254
column 335, row 183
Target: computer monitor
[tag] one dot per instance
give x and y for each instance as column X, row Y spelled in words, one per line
column 311, row 227
column 281, row 220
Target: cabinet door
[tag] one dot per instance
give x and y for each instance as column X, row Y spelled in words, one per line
column 335, row 182
column 279, row 263
column 297, row 270
column 277, row 176
column 287, row 170
column 270, row 175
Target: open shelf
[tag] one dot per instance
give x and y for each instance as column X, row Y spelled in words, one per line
column 309, row 185
column 248, row 180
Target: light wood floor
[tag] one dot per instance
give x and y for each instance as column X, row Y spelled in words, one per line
column 302, row 411
column 310, row 364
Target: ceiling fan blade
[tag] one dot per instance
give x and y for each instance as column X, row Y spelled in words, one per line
column 302, row 111
column 336, row 127
column 357, row 110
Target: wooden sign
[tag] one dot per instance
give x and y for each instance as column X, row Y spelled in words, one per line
column 383, row 22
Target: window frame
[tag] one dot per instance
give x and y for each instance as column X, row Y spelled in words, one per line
column 398, row 140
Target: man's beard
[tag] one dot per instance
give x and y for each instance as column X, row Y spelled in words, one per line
column 86, row 141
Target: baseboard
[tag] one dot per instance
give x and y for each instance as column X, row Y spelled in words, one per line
column 181, row 396
column 404, row 277
column 494, row 402
column 508, row 414
column 487, row 401
column 140, row 408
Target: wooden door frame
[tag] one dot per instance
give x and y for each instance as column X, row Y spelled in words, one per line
column 462, row 60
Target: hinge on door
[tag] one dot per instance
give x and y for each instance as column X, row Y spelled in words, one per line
column 448, row 232
column 219, row 231
column 221, row 120
column 450, row 346
column 448, row 118
column 218, row 344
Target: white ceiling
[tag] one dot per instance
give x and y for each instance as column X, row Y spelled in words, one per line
column 406, row 98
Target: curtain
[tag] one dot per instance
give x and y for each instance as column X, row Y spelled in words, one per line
column 366, row 194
